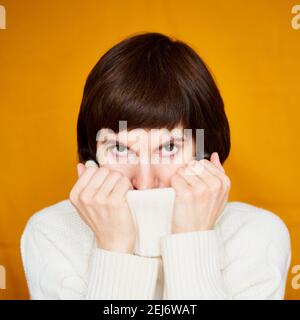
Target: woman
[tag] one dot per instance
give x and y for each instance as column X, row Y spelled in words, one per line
column 83, row 247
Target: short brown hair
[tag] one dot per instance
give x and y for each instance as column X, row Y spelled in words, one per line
column 151, row 81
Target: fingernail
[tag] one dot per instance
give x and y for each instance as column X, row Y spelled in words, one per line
column 91, row 163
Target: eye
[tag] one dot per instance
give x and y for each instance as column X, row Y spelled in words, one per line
column 118, row 148
column 169, row 148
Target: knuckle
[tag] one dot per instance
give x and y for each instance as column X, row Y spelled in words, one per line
column 91, row 169
column 125, row 180
column 181, row 170
column 104, row 170
column 199, row 190
column 204, row 163
column 216, row 184
column 116, row 174
column 187, row 195
column 84, row 198
column 100, row 201
column 113, row 202
column 227, row 181
column 72, row 196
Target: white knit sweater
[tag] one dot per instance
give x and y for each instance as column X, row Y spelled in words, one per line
column 246, row 256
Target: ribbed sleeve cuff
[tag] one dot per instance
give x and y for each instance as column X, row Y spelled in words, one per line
column 191, row 265
column 115, row 275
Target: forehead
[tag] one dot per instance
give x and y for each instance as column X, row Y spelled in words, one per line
column 134, row 135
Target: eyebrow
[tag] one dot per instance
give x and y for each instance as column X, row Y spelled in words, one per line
column 107, row 140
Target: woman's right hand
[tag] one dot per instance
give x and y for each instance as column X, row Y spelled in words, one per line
column 99, row 196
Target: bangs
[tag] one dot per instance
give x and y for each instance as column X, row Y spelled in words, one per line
column 162, row 105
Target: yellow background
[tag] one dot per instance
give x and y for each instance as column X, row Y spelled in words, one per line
column 47, row 51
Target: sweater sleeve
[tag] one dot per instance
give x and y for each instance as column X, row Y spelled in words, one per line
column 111, row 275
column 254, row 268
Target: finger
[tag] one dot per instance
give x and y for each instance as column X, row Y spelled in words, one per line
column 215, row 159
column 204, row 174
column 193, row 179
column 204, row 163
column 221, row 174
column 181, row 186
column 108, row 185
column 95, row 183
column 82, row 181
column 119, row 191
column 213, row 170
column 80, row 169
column 91, row 163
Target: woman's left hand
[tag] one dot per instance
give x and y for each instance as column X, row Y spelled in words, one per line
column 201, row 192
